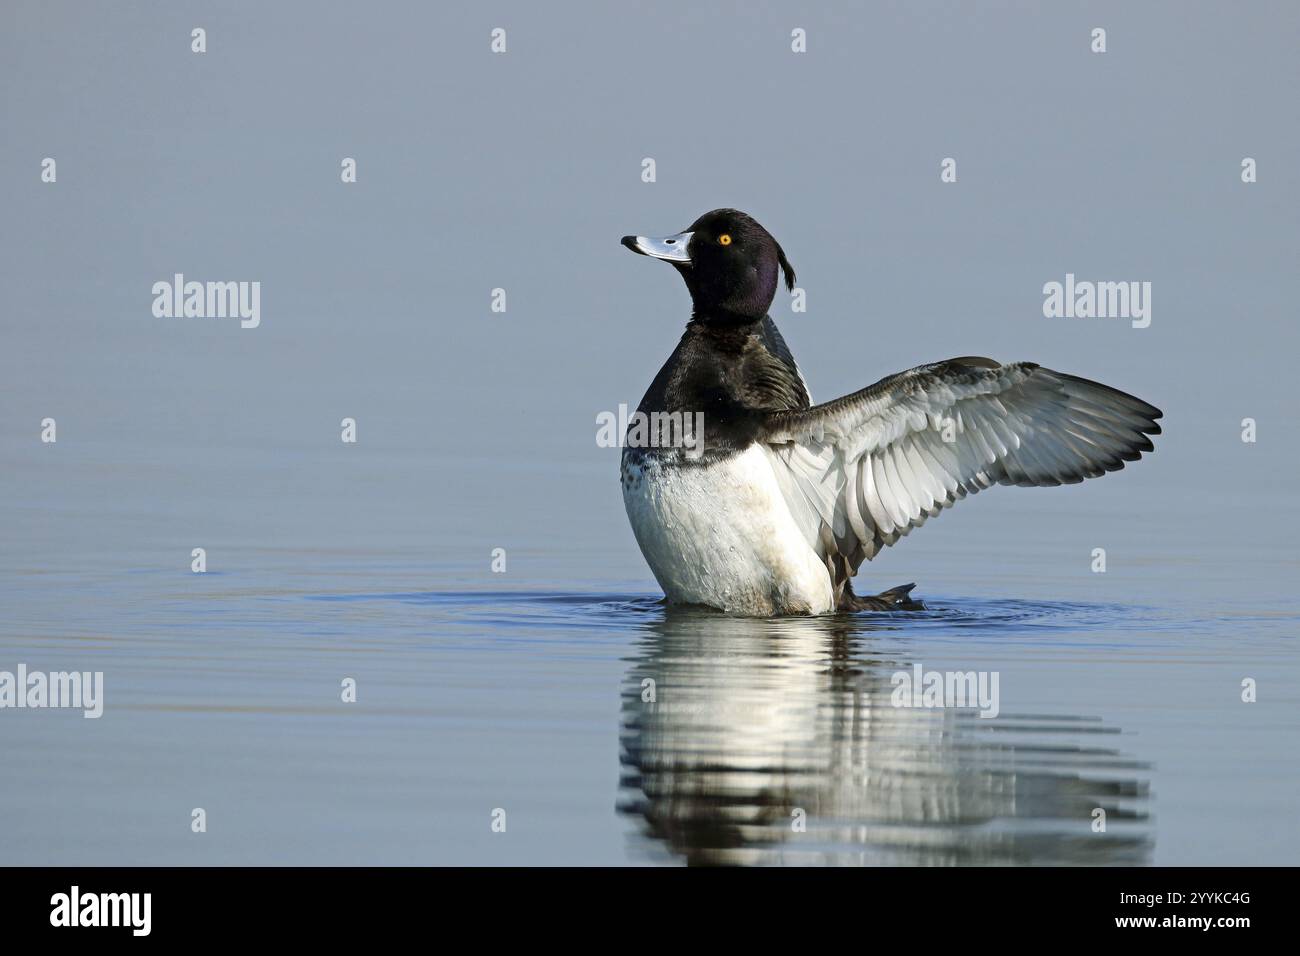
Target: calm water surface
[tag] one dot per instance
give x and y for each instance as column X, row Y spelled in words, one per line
column 526, row 691
column 611, row 729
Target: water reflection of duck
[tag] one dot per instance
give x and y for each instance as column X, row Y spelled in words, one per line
column 729, row 734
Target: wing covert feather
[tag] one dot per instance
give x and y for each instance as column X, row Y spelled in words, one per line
column 869, row 467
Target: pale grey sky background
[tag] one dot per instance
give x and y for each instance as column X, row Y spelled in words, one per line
column 522, row 171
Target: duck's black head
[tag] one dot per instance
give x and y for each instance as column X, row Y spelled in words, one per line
column 730, row 264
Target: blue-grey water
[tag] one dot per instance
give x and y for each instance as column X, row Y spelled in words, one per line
column 555, row 695
column 525, row 691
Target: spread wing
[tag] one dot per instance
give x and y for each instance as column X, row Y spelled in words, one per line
column 864, row 470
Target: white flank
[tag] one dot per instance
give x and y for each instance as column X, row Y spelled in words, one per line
column 722, row 535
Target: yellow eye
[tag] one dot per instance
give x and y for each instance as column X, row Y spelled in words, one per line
column 724, row 239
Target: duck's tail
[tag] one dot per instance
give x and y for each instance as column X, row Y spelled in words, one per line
column 895, row 599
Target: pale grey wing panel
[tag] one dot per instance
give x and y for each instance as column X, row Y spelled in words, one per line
column 870, row 467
